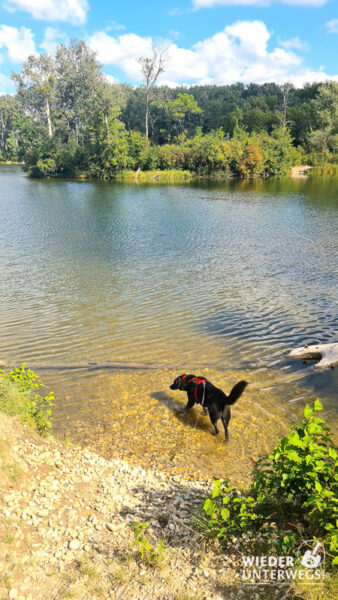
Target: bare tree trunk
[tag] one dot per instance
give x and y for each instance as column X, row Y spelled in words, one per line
column 326, row 354
column 107, row 125
column 49, row 122
column 147, row 115
column 151, row 70
column 285, row 89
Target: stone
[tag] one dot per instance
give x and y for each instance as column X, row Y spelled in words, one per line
column 74, row 544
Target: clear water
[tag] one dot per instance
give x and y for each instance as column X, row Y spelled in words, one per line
column 215, row 279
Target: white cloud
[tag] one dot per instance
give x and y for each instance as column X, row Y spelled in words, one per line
column 5, row 83
column 175, row 35
column 308, row 76
column 238, row 53
column 69, row 11
column 175, row 12
column 332, row 26
column 209, row 3
column 295, row 44
column 122, row 51
column 115, row 26
column 110, row 79
column 52, row 38
column 19, row 43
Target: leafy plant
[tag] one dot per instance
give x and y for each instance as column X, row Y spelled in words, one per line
column 297, row 482
column 30, row 407
column 148, row 553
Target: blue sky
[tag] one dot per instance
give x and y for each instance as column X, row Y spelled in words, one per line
column 206, row 41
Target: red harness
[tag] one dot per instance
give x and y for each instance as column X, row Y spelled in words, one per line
column 197, row 381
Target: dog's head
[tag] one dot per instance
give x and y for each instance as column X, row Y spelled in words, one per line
column 176, row 385
column 181, row 382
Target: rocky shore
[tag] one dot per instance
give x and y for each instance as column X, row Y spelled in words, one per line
column 65, row 527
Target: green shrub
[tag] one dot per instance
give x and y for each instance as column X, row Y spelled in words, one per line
column 295, row 486
column 280, row 154
column 148, row 553
column 17, row 399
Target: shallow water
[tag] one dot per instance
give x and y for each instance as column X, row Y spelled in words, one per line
column 215, row 279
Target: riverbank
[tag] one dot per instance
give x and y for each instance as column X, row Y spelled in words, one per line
column 177, row 176
column 65, row 528
column 68, row 515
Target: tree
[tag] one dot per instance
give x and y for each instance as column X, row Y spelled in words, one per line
column 322, row 136
column 10, row 115
column 78, row 83
column 176, row 110
column 35, row 85
column 66, row 96
column 151, row 70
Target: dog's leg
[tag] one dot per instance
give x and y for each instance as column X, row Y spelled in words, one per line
column 191, row 400
column 226, row 415
column 213, row 414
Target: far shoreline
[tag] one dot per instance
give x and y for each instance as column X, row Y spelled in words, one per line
column 177, row 176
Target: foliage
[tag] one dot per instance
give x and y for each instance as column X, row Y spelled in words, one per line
column 297, row 482
column 324, row 128
column 10, row 118
column 67, row 120
column 279, row 152
column 16, row 397
column 175, row 111
column 148, row 553
column 325, row 169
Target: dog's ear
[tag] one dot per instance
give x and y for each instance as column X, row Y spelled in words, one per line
column 179, row 379
column 187, row 384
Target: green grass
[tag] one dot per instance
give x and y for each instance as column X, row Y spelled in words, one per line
column 316, row 592
column 330, row 169
column 18, row 397
column 13, row 402
column 158, row 176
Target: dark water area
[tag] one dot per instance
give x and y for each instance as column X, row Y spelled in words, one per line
column 218, row 279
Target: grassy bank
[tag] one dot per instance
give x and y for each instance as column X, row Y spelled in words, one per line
column 19, row 397
column 329, row 169
column 166, row 176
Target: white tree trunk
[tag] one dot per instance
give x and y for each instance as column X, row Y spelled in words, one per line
column 49, row 122
column 147, row 114
column 326, row 354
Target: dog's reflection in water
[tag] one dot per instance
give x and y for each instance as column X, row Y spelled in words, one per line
column 189, row 418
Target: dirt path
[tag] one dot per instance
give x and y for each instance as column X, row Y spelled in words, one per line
column 301, row 171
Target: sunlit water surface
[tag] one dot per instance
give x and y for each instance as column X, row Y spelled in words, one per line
column 214, row 279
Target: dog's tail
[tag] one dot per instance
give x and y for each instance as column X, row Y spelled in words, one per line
column 236, row 392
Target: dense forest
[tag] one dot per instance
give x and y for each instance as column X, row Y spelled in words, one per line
column 67, row 119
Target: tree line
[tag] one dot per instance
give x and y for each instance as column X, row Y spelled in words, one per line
column 67, row 119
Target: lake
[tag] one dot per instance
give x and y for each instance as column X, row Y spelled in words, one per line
column 216, row 279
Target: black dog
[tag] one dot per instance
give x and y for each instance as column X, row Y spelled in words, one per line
column 201, row 391
column 181, row 383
